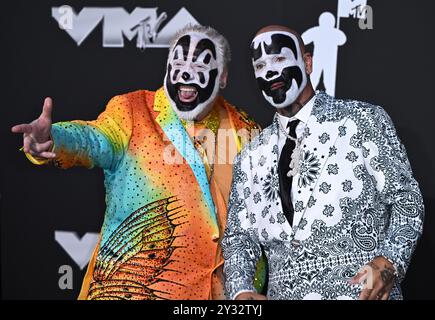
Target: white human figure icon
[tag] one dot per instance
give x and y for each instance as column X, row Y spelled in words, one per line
column 326, row 39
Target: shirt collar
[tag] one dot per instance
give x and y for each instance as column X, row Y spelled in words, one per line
column 303, row 115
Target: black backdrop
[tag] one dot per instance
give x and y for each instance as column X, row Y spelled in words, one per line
column 391, row 65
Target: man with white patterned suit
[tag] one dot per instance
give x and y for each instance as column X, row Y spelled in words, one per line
column 326, row 192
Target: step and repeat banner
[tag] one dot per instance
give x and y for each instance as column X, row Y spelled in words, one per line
column 82, row 53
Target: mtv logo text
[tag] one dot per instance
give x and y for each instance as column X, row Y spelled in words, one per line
column 117, row 24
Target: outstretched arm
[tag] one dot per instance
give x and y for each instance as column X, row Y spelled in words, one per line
column 101, row 142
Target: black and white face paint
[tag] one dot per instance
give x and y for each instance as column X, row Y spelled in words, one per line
column 192, row 77
column 279, row 67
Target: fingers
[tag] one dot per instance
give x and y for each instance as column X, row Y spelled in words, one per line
column 244, row 295
column 376, row 294
column 47, row 155
column 27, row 141
column 41, row 150
column 255, row 296
column 47, row 108
column 250, row 296
column 22, row 128
column 46, row 114
column 44, row 154
column 365, row 294
column 262, row 297
column 385, row 296
column 41, row 147
column 360, row 277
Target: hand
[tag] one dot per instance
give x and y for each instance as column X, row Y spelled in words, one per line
column 378, row 277
column 250, row 296
column 36, row 135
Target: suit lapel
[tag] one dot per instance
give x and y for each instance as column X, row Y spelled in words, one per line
column 176, row 133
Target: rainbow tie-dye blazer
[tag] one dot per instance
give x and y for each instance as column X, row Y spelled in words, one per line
column 159, row 239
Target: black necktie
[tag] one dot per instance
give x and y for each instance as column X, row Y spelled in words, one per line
column 285, row 182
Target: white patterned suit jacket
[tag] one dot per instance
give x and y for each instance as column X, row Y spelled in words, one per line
column 356, row 199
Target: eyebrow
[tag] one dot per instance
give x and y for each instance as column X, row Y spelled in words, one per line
column 280, row 41
column 203, row 45
column 256, row 52
column 184, row 42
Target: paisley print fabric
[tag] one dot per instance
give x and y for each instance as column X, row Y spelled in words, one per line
column 356, row 199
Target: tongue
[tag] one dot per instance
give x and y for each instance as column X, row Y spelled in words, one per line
column 187, row 94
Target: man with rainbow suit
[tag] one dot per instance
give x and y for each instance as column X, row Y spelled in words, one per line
column 167, row 164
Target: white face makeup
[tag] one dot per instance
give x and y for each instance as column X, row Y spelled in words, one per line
column 279, row 67
column 192, row 78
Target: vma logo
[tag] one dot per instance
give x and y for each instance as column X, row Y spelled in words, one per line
column 117, row 24
column 79, row 249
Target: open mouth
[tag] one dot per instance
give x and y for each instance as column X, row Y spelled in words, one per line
column 277, row 85
column 187, row 94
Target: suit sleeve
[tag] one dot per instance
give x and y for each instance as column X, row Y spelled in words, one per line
column 100, row 143
column 399, row 192
column 241, row 248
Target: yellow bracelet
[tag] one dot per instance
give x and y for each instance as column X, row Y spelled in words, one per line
column 35, row 160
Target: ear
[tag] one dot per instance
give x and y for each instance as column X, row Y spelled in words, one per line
column 223, row 79
column 308, row 59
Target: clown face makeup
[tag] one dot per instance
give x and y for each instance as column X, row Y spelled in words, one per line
column 192, row 77
column 279, row 67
